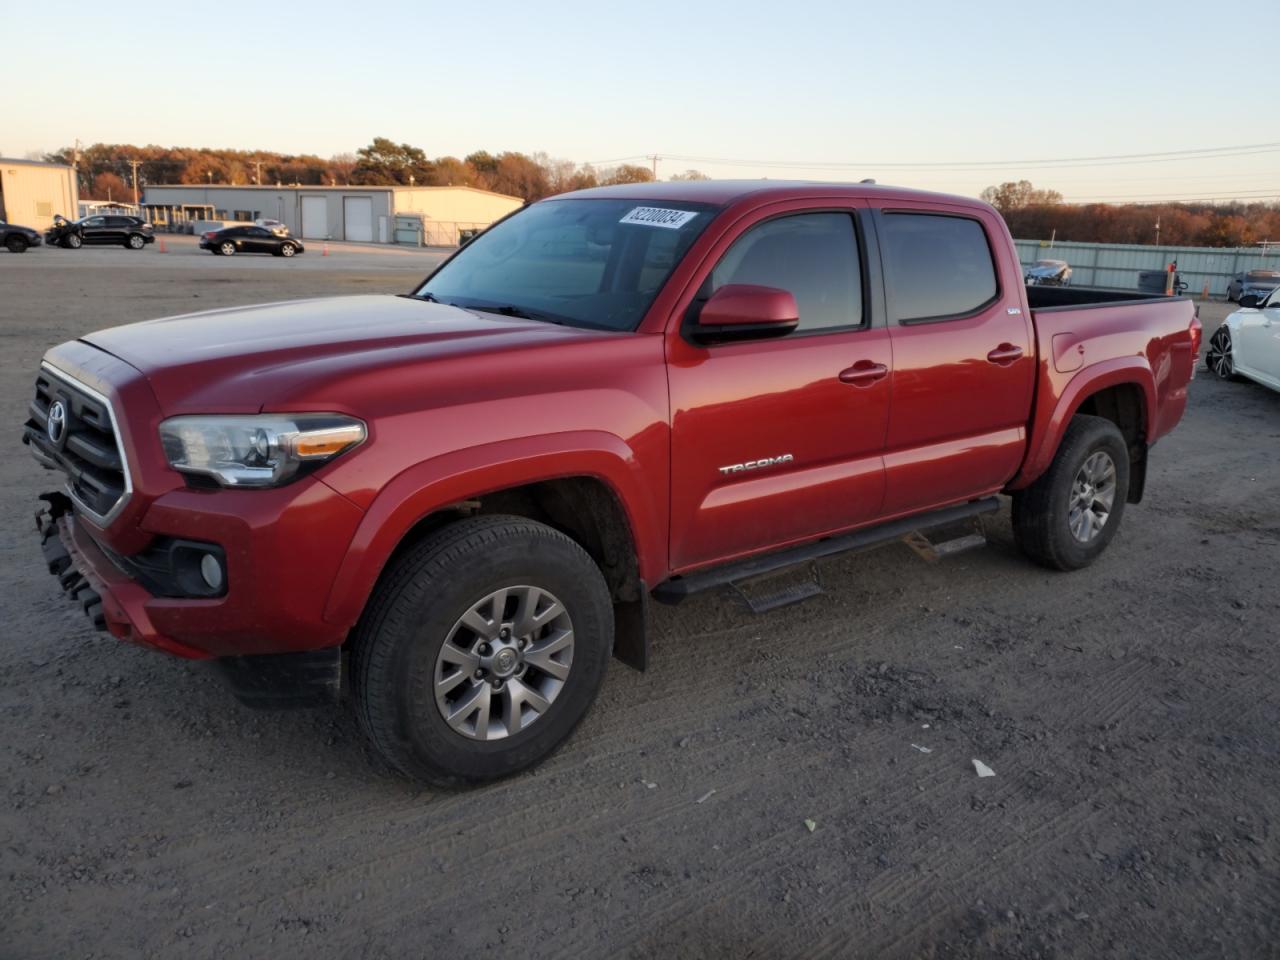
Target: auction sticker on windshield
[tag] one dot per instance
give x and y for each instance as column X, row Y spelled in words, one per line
column 658, row 217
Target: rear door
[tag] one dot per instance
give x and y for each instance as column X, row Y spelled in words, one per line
column 769, row 444
column 963, row 354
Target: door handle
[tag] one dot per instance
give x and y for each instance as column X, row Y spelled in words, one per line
column 1005, row 354
column 863, row 373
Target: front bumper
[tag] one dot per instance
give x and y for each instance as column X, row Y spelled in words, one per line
column 281, row 563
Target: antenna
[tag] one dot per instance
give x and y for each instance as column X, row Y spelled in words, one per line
column 870, row 180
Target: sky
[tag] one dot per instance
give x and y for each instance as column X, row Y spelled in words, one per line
column 936, row 95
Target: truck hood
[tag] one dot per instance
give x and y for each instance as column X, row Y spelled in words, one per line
column 245, row 359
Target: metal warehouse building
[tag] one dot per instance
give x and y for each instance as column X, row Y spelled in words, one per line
column 432, row 215
column 31, row 192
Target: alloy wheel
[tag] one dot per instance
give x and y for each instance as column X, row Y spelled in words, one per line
column 227, row 249
column 1219, row 358
column 1093, row 492
column 504, row 663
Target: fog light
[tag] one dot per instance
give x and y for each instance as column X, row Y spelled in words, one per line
column 211, row 571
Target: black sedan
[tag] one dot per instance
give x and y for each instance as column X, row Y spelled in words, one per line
column 131, row 232
column 16, row 239
column 229, row 241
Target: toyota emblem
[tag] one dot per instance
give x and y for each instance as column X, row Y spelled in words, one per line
column 56, row 427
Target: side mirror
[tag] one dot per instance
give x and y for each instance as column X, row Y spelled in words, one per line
column 743, row 311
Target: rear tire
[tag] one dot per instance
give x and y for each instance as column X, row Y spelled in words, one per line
column 412, row 703
column 1069, row 515
column 16, row 244
column 227, row 249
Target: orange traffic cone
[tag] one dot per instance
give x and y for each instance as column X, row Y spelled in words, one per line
column 325, row 251
column 162, row 246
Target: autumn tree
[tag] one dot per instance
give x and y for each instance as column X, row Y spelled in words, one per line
column 626, row 173
column 690, row 175
column 109, row 186
column 1012, row 195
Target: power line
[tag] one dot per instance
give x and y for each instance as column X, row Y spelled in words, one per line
column 1117, row 159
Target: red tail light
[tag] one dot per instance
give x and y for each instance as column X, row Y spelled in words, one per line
column 1197, row 331
column 209, row 235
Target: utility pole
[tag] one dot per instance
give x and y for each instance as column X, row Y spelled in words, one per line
column 135, row 164
column 655, row 158
column 257, row 177
column 1157, row 229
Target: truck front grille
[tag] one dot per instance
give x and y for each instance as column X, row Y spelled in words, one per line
column 71, row 428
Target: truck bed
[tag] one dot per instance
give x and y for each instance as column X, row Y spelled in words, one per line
column 1046, row 298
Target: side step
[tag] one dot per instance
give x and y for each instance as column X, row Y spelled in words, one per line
column 677, row 588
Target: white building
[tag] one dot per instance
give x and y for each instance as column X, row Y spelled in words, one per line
column 32, row 192
column 434, row 215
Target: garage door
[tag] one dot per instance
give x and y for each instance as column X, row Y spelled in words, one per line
column 357, row 216
column 315, row 218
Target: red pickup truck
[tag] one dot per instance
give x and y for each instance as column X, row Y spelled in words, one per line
column 455, row 505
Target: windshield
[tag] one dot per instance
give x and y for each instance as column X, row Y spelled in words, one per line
column 1262, row 276
column 584, row 263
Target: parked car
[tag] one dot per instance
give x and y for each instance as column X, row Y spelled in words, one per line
column 275, row 226
column 232, row 240
column 17, row 239
column 456, row 505
column 1253, row 286
column 131, row 232
column 1248, row 344
column 1049, row 273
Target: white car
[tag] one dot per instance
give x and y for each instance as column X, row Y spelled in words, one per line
column 1248, row 344
column 275, row 226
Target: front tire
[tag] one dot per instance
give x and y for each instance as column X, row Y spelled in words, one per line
column 136, row 241
column 287, row 250
column 1220, row 357
column 74, row 241
column 1069, row 515
column 481, row 649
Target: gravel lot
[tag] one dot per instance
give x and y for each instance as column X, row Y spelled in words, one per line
column 1130, row 713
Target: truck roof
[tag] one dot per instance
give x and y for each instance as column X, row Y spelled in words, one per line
column 723, row 192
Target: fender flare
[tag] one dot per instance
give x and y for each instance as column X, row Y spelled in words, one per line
column 459, row 475
column 1046, row 436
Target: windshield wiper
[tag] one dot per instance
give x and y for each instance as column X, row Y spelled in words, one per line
column 520, row 313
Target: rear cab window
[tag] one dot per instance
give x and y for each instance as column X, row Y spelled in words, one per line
column 937, row 266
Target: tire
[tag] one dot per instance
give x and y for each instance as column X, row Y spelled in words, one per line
column 74, row 241
column 422, row 605
column 1220, row 357
column 287, row 249
column 16, row 244
column 1046, row 521
column 227, row 249
column 136, row 241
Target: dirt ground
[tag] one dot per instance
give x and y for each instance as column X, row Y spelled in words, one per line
column 1129, row 711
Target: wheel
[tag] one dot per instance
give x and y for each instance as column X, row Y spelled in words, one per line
column 16, row 244
column 1068, row 516
column 481, row 649
column 1219, row 357
column 74, row 241
column 287, row 249
column 227, row 248
column 136, row 241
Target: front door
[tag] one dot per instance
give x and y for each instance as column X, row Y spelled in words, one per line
column 769, row 444
column 964, row 355
column 1259, row 347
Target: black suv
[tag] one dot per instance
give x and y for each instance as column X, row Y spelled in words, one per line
column 16, row 239
column 111, row 228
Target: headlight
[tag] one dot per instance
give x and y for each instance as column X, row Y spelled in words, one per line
column 259, row 451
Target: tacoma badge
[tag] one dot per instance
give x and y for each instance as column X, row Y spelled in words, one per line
column 758, row 464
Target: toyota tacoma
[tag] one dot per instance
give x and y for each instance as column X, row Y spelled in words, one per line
column 453, row 506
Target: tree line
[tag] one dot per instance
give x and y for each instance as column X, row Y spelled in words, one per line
column 1038, row 214
column 106, row 172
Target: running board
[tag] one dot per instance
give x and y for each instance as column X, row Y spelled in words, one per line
column 677, row 588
